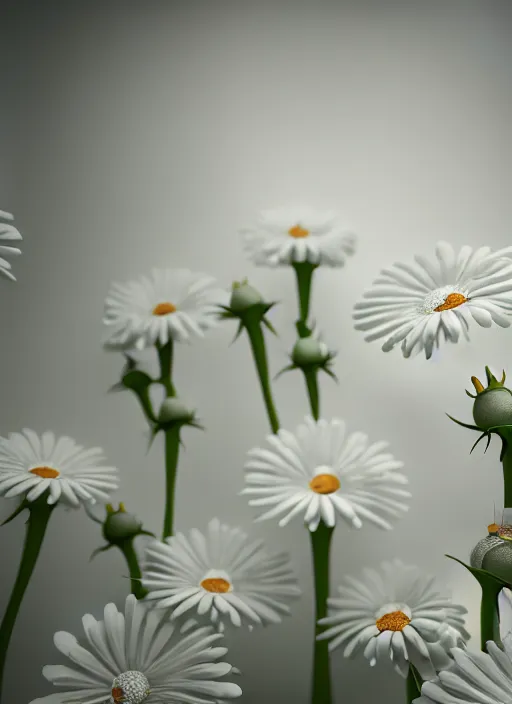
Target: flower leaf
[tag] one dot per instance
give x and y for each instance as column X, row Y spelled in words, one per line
column 464, row 425
column 483, row 577
column 22, row 506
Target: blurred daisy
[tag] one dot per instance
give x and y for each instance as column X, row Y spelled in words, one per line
column 220, row 575
column 477, row 678
column 135, row 657
column 170, row 304
column 31, row 465
column 395, row 614
column 320, row 471
column 424, row 304
column 290, row 235
column 8, row 233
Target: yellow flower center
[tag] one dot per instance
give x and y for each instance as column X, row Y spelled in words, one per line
column 298, row 232
column 164, row 308
column 394, row 621
column 493, row 528
column 453, row 300
column 217, row 585
column 45, row 472
column 324, row 484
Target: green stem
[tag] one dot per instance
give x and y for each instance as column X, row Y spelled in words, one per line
column 413, row 685
column 259, row 352
column 311, row 377
column 39, row 515
column 172, row 448
column 128, row 549
column 304, row 275
column 320, row 545
column 165, row 357
column 489, row 612
column 506, row 458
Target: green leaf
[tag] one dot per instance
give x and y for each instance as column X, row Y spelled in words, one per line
column 22, row 506
column 238, row 332
column 285, row 369
column 329, row 371
column 483, row 577
column 482, row 436
column 104, row 548
column 464, row 425
column 269, row 325
column 136, row 381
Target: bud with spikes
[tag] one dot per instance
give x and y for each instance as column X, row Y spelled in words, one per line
column 493, row 404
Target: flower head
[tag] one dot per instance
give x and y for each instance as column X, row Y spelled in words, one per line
column 220, row 575
column 493, row 404
column 424, row 304
column 395, row 614
column 321, row 470
column 31, row 465
column 136, row 658
column 290, row 235
column 476, row 677
column 170, row 304
column 8, row 233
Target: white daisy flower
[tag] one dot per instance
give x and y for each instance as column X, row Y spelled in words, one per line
column 134, row 657
column 170, row 304
column 221, row 575
column 396, row 615
column 424, row 304
column 476, row 677
column 290, row 235
column 8, row 233
column 320, row 471
column 31, row 465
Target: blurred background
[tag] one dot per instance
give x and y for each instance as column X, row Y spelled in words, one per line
column 142, row 134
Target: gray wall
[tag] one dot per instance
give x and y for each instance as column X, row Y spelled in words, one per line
column 142, row 134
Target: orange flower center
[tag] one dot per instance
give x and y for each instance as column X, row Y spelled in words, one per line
column 298, row 232
column 45, row 472
column 117, row 695
column 453, row 300
column 325, row 484
column 164, row 308
column 217, row 585
column 395, row 621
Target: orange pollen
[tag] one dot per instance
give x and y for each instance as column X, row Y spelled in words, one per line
column 298, row 232
column 164, row 309
column 325, row 484
column 493, row 528
column 217, row 585
column 45, row 472
column 395, row 621
column 117, row 695
column 453, row 300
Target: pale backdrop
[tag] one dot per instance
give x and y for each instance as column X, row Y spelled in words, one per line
column 137, row 134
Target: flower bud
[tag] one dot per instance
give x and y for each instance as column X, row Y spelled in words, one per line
column 244, row 296
column 120, row 525
column 493, row 404
column 173, row 410
column 498, row 561
column 309, row 350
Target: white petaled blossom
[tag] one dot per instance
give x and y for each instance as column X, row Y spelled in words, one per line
column 321, row 471
column 221, row 576
column 426, row 303
column 289, row 235
column 170, row 304
column 396, row 615
column 8, row 233
column 31, row 465
column 476, row 677
column 135, row 657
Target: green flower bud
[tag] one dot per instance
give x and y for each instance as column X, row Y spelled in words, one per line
column 244, row 296
column 309, row 350
column 494, row 552
column 120, row 525
column 493, row 404
column 173, row 410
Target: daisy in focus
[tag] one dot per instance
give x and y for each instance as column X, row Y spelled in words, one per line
column 476, row 677
column 397, row 615
column 8, row 233
column 31, row 465
column 320, row 472
column 134, row 657
column 424, row 304
column 291, row 235
column 170, row 304
column 221, row 576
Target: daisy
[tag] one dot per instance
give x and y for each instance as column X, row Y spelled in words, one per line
column 31, row 465
column 477, row 678
column 321, row 470
column 220, row 575
column 8, row 233
column 395, row 614
column 134, row 657
column 291, row 235
column 424, row 304
column 170, row 304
